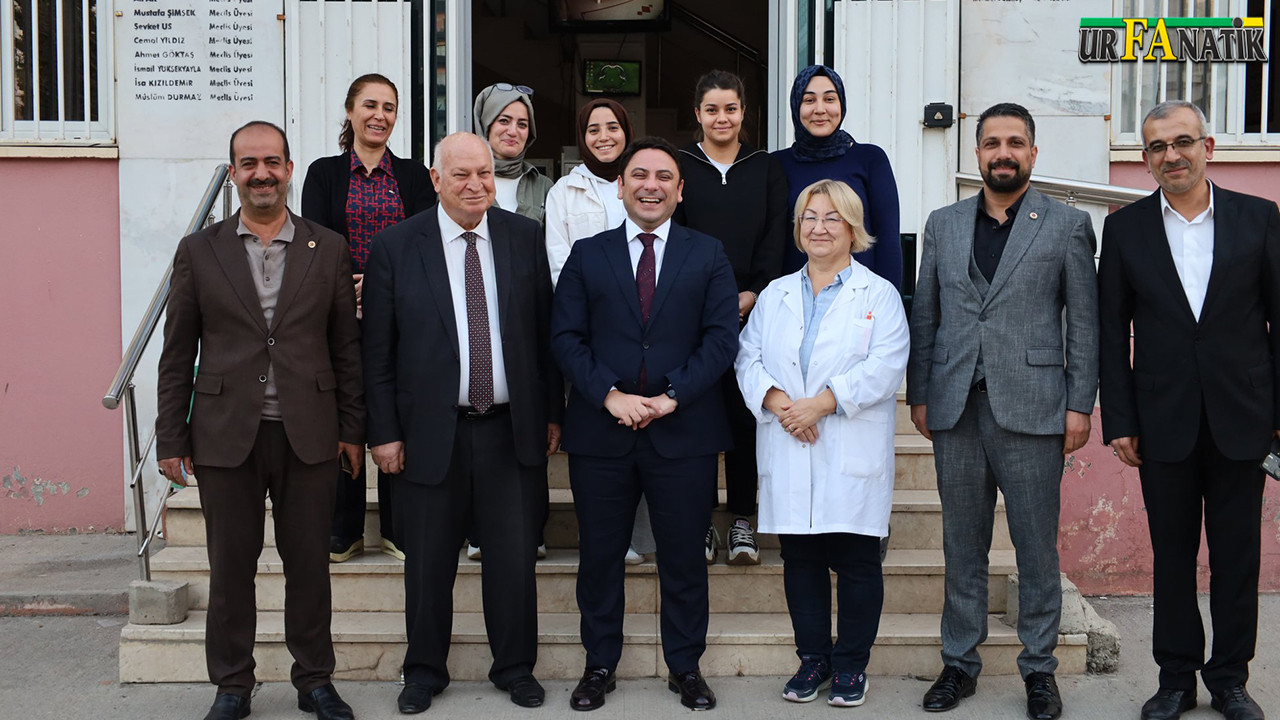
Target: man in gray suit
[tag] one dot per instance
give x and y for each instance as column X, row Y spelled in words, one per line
column 1003, row 381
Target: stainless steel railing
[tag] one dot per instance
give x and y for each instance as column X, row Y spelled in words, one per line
column 1071, row 191
column 122, row 390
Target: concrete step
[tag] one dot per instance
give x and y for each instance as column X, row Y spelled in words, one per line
column 916, row 522
column 913, row 582
column 370, row 647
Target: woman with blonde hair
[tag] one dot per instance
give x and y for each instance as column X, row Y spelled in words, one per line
column 819, row 364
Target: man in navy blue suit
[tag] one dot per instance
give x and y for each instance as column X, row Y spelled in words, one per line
column 644, row 323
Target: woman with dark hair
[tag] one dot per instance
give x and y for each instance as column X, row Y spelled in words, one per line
column 503, row 116
column 585, row 202
column 822, row 151
column 738, row 194
column 357, row 194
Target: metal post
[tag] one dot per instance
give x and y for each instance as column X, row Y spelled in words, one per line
column 139, row 493
column 226, row 198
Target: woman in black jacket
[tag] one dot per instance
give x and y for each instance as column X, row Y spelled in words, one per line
column 358, row 194
column 737, row 194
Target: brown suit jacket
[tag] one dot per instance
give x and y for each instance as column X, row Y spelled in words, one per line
column 314, row 346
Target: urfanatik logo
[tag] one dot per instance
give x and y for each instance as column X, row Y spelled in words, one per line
column 1172, row 39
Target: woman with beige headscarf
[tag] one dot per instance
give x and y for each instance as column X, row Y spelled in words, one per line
column 503, row 116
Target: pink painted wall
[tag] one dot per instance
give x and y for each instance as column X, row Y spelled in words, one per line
column 61, row 452
column 1103, row 540
column 1252, row 178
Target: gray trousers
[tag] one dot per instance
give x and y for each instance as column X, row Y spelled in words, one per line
column 973, row 459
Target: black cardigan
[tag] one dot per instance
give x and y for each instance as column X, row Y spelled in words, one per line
column 324, row 192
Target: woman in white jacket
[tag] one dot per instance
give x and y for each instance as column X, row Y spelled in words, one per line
column 585, row 202
column 820, row 361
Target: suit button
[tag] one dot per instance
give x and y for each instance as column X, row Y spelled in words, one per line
column 271, row 341
column 644, row 345
column 262, row 378
column 982, row 317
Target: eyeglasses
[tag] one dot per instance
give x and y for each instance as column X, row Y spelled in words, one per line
column 828, row 222
column 1182, row 145
column 518, row 88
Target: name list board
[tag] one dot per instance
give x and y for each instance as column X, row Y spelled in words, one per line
column 192, row 71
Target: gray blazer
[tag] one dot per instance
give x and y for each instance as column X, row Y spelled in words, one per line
column 1038, row 360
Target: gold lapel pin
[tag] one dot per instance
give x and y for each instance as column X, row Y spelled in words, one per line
column 313, row 242
column 1034, row 216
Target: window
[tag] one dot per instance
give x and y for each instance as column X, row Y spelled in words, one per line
column 1240, row 100
column 55, row 81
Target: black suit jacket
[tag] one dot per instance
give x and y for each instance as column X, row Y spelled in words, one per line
column 214, row 317
column 410, row 344
column 691, row 339
column 1226, row 363
column 324, row 192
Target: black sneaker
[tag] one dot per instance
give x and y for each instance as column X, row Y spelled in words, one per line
column 712, row 543
column 812, row 678
column 742, row 544
column 343, row 550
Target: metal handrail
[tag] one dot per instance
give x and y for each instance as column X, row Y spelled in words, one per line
column 151, row 318
column 714, row 32
column 121, row 391
column 1071, row 191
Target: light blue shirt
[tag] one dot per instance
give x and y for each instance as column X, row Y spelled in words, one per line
column 815, row 308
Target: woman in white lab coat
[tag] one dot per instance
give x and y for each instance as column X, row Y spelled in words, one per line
column 821, row 359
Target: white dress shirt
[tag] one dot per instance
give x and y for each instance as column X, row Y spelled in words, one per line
column 1191, row 243
column 635, row 247
column 455, row 257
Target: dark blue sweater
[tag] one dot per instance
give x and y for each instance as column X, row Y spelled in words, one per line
column 865, row 168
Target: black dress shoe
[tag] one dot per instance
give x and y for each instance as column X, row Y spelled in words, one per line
column 949, row 689
column 596, row 682
column 1168, row 704
column 1044, row 702
column 525, row 691
column 694, row 693
column 227, row 706
column 415, row 698
column 1235, row 704
column 325, row 702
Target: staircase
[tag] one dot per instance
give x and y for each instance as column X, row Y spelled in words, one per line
column 750, row 632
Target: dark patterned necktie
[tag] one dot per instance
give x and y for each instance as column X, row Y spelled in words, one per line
column 645, row 282
column 480, row 385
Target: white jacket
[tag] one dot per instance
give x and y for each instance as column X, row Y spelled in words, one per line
column 844, row 481
column 574, row 211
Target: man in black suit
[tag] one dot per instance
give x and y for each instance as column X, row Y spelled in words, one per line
column 464, row 408
column 1194, row 268
column 645, row 323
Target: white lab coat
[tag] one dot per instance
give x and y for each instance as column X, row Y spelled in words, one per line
column 844, row 481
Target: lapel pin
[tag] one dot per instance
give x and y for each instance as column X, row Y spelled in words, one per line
column 313, row 243
column 1034, row 216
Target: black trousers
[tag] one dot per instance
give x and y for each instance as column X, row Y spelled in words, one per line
column 807, row 562
column 348, row 509
column 606, row 492
column 232, row 500
column 1226, row 495
column 487, row 486
column 740, row 474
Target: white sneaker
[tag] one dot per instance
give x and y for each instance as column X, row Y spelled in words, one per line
column 742, row 544
column 633, row 557
column 712, row 544
column 473, row 552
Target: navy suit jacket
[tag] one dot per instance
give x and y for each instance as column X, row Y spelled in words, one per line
column 410, row 344
column 690, row 341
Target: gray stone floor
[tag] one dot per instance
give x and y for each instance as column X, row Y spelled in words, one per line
column 65, row 667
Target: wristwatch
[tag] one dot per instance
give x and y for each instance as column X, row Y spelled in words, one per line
column 671, row 393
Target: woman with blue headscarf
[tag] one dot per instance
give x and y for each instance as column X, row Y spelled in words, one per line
column 822, row 151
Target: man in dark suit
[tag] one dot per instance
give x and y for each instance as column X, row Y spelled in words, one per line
column 1194, row 268
column 1002, row 377
column 264, row 302
column 645, row 323
column 464, row 408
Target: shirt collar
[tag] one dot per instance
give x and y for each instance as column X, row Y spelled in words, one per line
column 285, row 234
column 1010, row 215
column 384, row 164
column 450, row 230
column 840, row 279
column 633, row 229
column 1166, row 208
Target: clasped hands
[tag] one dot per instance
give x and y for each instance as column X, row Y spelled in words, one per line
column 637, row 411
column 800, row 417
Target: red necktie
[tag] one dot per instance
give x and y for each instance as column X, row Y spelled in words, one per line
column 645, row 281
column 480, row 385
